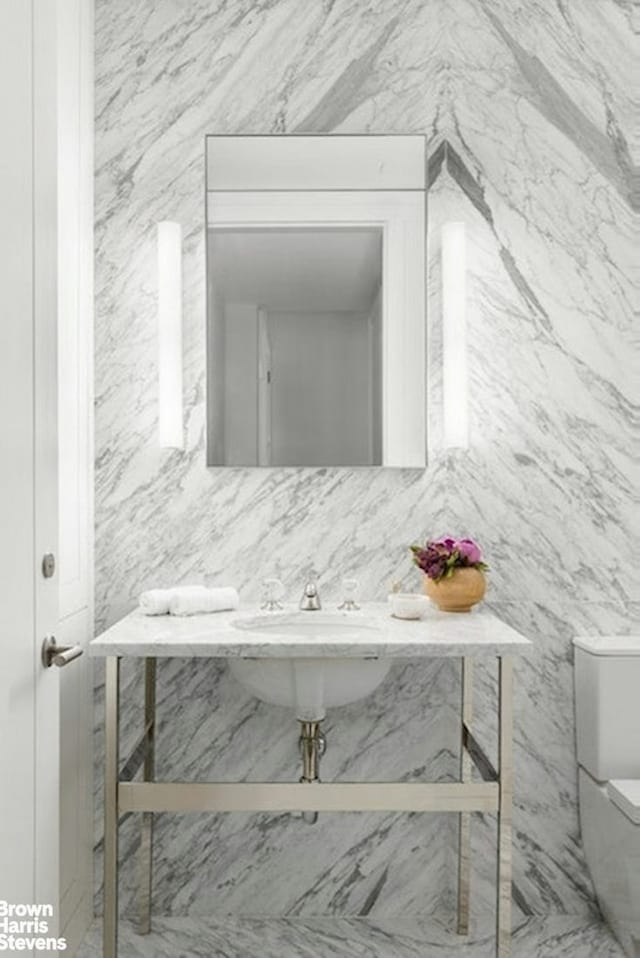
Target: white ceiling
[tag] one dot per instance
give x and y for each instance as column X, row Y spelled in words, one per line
column 291, row 269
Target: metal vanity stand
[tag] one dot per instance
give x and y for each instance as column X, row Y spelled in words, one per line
column 465, row 637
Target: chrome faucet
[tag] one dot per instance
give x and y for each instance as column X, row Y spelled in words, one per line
column 310, row 601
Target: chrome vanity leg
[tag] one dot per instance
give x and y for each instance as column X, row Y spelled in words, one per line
column 505, row 785
column 148, row 774
column 112, row 693
column 464, row 818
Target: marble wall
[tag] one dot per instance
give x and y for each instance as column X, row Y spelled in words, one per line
column 527, row 107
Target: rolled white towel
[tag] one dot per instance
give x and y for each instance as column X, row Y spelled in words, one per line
column 155, row 601
column 190, row 600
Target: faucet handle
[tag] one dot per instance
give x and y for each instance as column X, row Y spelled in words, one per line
column 273, row 592
column 349, row 589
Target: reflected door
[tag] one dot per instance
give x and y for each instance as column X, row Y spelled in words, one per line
column 320, row 389
column 295, row 339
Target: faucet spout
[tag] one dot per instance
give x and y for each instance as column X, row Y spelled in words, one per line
column 310, row 601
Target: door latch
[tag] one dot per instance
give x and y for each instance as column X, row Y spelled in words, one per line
column 54, row 654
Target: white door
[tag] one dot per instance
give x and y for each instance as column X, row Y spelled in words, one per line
column 29, row 694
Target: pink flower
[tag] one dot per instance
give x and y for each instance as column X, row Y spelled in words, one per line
column 439, row 558
column 469, row 551
column 445, row 542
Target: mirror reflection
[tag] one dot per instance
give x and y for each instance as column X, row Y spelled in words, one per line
column 295, row 323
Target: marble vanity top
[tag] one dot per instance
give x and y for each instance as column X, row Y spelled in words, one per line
column 437, row 634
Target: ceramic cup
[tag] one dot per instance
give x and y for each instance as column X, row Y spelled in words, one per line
column 408, row 605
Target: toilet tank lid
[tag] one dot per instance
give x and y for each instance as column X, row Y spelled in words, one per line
column 625, row 793
column 609, row 644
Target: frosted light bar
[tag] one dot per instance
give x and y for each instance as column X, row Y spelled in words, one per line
column 170, row 432
column 454, row 338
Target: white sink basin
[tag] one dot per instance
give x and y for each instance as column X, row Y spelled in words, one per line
column 310, row 685
column 320, row 625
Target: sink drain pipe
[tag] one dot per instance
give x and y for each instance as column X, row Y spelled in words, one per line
column 312, row 744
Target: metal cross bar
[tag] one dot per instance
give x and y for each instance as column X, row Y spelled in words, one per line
column 305, row 796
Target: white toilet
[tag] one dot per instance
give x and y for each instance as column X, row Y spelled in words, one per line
column 607, row 684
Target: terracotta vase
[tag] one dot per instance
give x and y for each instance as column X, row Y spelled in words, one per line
column 465, row 588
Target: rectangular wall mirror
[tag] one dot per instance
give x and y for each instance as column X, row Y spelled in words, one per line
column 316, row 300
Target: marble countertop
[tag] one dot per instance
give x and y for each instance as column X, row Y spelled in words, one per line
column 437, row 634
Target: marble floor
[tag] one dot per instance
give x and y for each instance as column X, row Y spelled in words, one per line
column 557, row 937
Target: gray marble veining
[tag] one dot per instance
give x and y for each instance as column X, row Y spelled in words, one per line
column 355, row 938
column 528, row 107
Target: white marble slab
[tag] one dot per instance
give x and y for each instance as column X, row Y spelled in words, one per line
column 217, row 635
column 528, row 108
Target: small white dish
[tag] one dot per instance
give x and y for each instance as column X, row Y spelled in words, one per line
column 408, row 605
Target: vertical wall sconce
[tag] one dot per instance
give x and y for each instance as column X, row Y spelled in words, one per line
column 454, row 337
column 170, row 432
